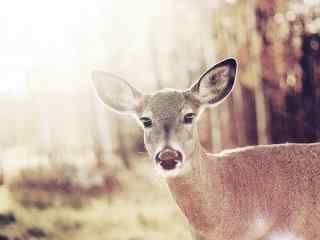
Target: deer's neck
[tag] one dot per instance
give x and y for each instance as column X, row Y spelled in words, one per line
column 198, row 192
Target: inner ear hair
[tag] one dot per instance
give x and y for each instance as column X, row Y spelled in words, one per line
column 216, row 83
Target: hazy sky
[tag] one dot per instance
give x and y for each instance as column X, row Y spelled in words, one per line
column 51, row 40
column 50, row 45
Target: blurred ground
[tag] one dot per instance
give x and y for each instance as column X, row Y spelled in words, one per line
column 141, row 208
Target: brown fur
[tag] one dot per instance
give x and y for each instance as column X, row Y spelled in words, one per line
column 253, row 193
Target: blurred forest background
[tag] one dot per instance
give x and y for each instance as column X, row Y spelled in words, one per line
column 69, row 168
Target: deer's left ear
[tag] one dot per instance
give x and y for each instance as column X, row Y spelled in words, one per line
column 215, row 84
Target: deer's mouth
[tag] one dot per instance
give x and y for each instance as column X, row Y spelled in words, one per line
column 169, row 159
column 169, row 164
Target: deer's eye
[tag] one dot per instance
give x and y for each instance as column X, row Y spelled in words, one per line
column 147, row 122
column 188, row 118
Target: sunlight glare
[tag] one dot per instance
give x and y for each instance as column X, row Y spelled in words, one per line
column 13, row 83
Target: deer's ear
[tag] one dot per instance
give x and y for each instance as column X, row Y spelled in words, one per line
column 215, row 84
column 116, row 93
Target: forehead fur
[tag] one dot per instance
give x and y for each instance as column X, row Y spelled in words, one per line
column 166, row 104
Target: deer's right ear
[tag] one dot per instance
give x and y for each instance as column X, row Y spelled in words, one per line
column 116, row 93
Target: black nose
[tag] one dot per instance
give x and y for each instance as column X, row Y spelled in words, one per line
column 168, row 158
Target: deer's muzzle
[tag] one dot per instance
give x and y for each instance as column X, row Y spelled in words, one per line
column 168, row 158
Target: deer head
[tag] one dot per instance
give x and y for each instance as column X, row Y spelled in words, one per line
column 168, row 116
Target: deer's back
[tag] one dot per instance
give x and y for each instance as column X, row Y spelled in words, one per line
column 275, row 186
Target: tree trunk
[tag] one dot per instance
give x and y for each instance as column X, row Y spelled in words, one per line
column 290, row 78
column 123, row 148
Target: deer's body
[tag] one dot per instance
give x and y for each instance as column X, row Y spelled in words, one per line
column 262, row 192
column 255, row 193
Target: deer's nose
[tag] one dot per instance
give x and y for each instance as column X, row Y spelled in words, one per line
column 168, row 158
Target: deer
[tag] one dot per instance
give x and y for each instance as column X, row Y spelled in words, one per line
column 263, row 192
